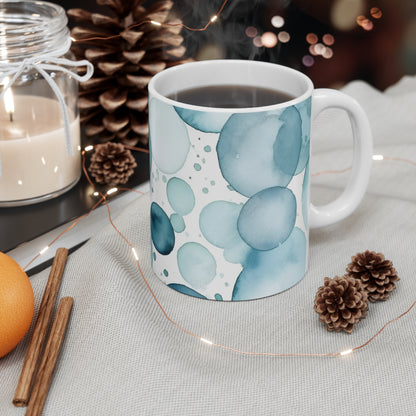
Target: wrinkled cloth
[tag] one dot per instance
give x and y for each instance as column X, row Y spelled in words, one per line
column 121, row 356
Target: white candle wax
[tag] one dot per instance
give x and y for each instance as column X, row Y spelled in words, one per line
column 34, row 161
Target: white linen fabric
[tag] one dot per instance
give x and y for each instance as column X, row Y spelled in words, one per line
column 121, row 356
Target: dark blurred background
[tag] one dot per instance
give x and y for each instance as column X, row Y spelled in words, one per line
column 333, row 41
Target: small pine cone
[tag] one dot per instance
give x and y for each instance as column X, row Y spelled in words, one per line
column 341, row 302
column 112, row 164
column 376, row 274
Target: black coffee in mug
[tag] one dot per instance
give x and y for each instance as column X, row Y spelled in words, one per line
column 230, row 96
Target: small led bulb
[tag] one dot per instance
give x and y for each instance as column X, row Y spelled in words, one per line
column 206, row 341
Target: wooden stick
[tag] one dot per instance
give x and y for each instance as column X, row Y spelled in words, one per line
column 22, row 393
column 44, row 376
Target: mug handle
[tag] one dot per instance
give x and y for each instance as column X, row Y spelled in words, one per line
column 347, row 202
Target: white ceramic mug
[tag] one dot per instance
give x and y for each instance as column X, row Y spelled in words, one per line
column 230, row 211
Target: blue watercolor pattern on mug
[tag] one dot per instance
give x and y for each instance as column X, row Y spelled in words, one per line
column 258, row 155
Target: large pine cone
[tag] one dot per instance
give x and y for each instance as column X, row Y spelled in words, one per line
column 341, row 302
column 376, row 274
column 113, row 103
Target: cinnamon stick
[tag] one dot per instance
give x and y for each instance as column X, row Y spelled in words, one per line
column 27, row 376
column 47, row 365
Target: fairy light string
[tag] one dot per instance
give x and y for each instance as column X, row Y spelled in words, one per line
column 159, row 24
column 166, row 315
column 63, row 232
column 204, row 340
column 375, row 157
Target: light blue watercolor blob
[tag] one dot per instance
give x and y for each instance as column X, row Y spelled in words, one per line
column 304, row 156
column 218, row 296
column 164, row 179
column 186, row 290
column 163, row 236
column 169, row 141
column 305, row 196
column 180, row 196
column 197, row 167
column 269, row 272
column 196, row 264
column 177, row 222
column 247, row 152
column 304, row 109
column 205, row 190
column 212, row 183
column 218, row 224
column 208, row 122
column 286, row 148
column 207, row 148
column 267, row 218
column 165, row 272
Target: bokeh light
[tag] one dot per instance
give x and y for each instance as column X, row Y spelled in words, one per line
column 364, row 22
column 269, row 39
column 376, row 13
column 328, row 53
column 251, row 31
column 328, row 39
column 311, row 38
column 308, row 60
column 360, row 19
column 278, row 21
column 367, row 25
column 257, row 41
column 319, row 48
column 343, row 13
column 283, row 36
column 312, row 50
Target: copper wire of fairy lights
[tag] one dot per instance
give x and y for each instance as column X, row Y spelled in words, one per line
column 204, row 340
column 375, row 157
column 137, row 149
column 64, row 232
column 153, row 22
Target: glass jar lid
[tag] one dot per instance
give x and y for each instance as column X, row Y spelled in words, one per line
column 31, row 28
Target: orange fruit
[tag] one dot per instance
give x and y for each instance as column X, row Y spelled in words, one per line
column 17, row 304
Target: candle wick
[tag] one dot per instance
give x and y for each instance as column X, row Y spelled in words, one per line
column 11, row 116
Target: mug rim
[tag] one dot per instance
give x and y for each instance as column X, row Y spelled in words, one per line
column 153, row 91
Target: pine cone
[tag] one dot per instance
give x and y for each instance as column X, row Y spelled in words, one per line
column 114, row 103
column 112, row 164
column 341, row 303
column 376, row 274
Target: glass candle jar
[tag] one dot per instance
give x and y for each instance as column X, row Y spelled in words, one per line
column 39, row 120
